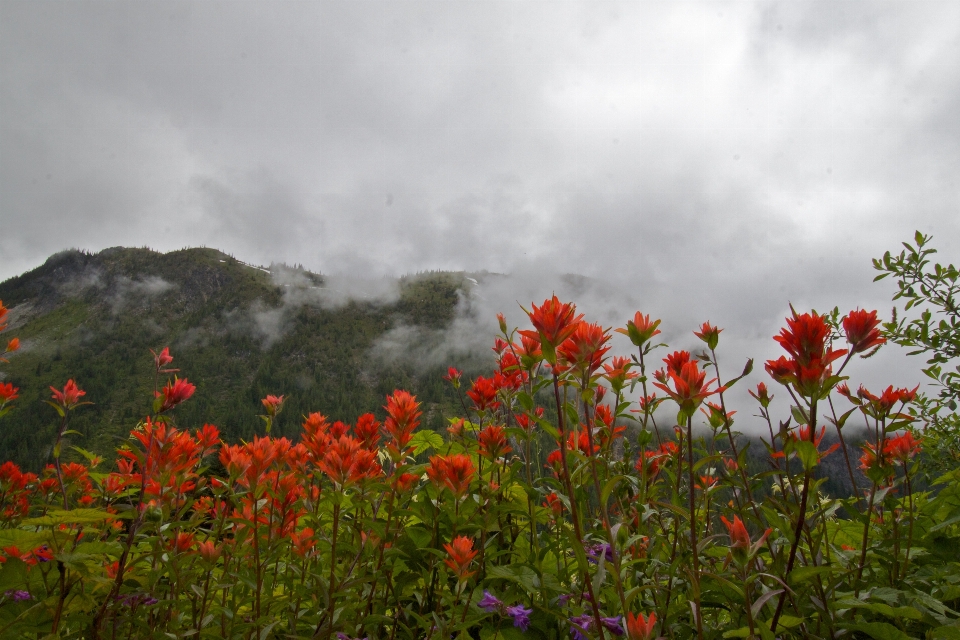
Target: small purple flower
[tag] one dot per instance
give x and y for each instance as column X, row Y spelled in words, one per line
column 490, row 602
column 595, row 551
column 564, row 599
column 579, row 626
column 613, row 625
column 521, row 616
column 17, row 595
column 136, row 599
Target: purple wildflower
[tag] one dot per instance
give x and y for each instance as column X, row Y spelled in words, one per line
column 579, row 626
column 564, row 599
column 490, row 602
column 595, row 551
column 521, row 616
column 17, row 595
column 613, row 625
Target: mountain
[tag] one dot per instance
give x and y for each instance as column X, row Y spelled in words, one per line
column 237, row 331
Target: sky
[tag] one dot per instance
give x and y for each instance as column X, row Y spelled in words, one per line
column 703, row 160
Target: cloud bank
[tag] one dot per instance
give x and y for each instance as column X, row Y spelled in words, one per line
column 699, row 160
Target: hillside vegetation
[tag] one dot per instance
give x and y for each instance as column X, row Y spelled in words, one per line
column 238, row 333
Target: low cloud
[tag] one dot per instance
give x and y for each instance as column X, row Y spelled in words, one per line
column 301, row 288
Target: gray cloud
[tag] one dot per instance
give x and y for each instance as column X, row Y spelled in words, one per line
column 708, row 160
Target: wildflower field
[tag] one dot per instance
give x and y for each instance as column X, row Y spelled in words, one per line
column 535, row 516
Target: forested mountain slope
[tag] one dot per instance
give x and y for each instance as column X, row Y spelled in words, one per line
column 237, row 331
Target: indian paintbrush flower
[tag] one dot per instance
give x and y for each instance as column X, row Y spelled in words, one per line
column 640, row 330
column 709, row 334
column 861, row 328
column 554, row 322
column 742, row 548
column 460, row 554
column 174, row 394
column 640, row 627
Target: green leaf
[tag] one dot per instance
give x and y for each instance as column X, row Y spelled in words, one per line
column 518, row 573
column 950, row 632
column 880, row 631
column 609, row 487
column 800, row 414
column 801, row 574
column 73, row 516
column 25, row 540
column 808, row 454
column 424, row 440
column 13, row 574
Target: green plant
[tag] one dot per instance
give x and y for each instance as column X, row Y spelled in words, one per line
column 932, row 289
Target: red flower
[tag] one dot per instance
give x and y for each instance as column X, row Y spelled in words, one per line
column 346, row 463
column 338, row 429
column 580, row 441
column 69, row 397
column 804, row 434
column 689, row 386
column 272, row 404
column 902, row 447
column 554, row 462
column 162, row 359
column 554, row 503
column 368, row 431
column 176, row 393
column 527, row 422
column 709, row 334
column 584, row 349
column 453, row 377
column 181, row 542
column 554, row 322
column 13, row 345
column 872, row 458
column 483, row 392
column 706, row 483
column 529, row 350
column 493, row 442
column 639, row 627
column 640, row 330
column 456, row 428
column 676, row 360
column 861, row 329
column 209, row 551
column 761, row 395
column 403, row 416
column 303, row 542
column 879, row 407
column 603, row 418
column 405, row 481
column 455, row 472
column 208, row 437
column 806, row 339
column 740, row 544
column 738, row 533
column 315, row 435
column 618, row 373
column 8, row 392
column 461, row 554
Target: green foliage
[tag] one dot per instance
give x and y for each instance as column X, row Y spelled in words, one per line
column 931, row 291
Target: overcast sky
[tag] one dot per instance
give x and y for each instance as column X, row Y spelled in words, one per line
column 704, row 160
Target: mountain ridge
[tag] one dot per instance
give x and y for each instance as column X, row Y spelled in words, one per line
column 238, row 331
